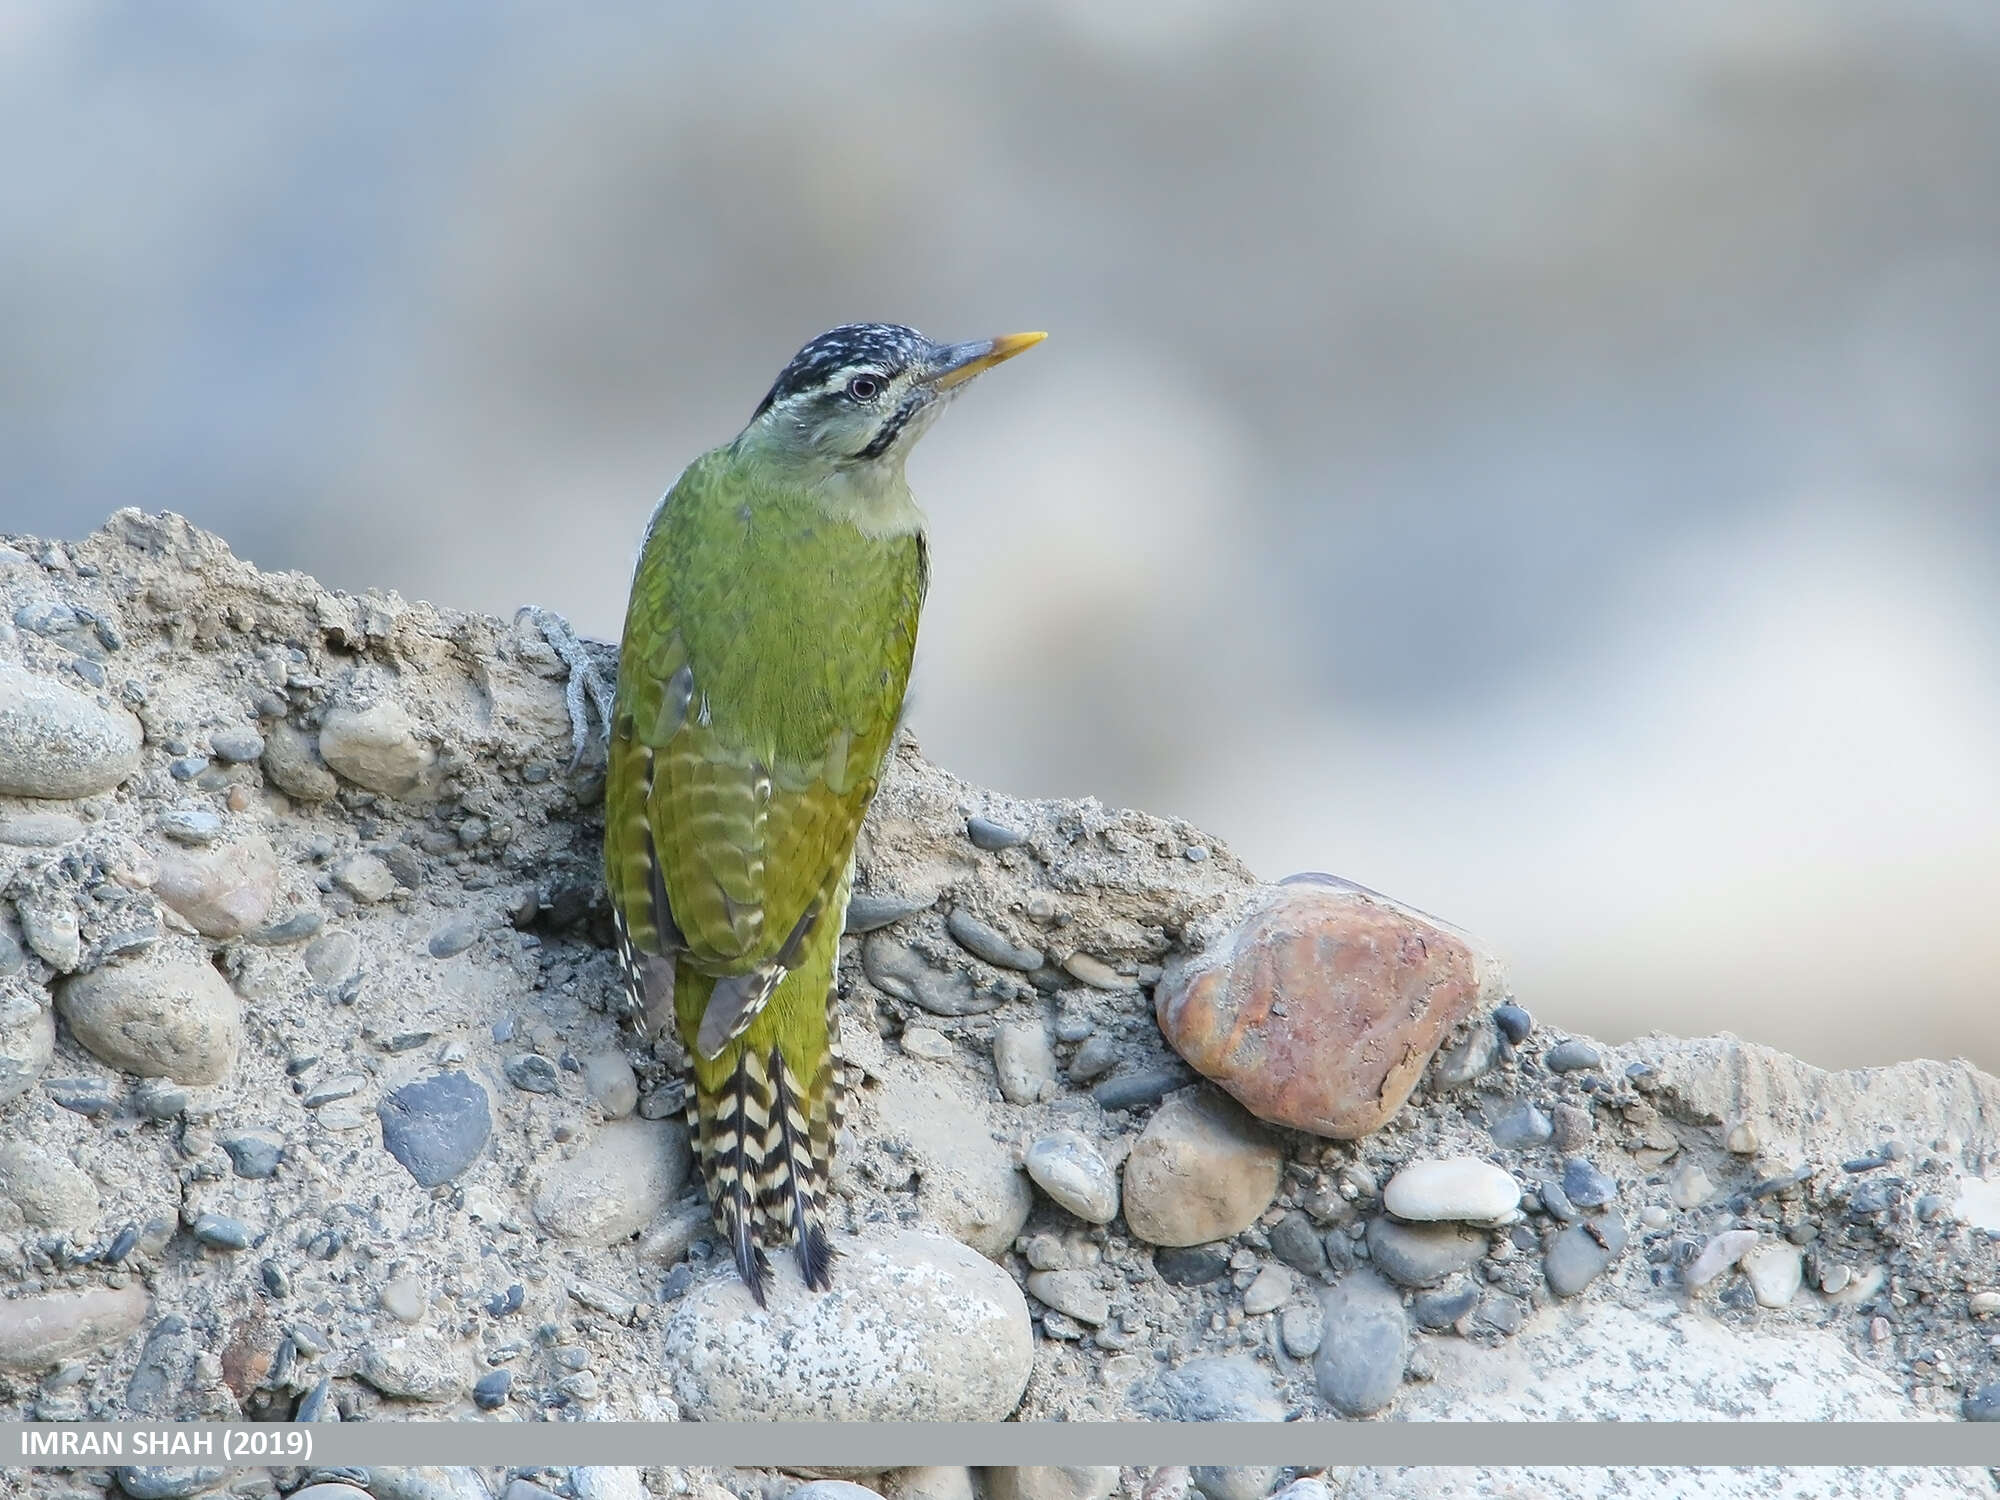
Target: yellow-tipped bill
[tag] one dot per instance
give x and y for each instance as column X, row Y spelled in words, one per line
column 958, row 363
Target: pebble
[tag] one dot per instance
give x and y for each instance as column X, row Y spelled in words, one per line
column 190, row 825
column 50, row 928
column 1418, row 1255
column 436, row 1127
column 1471, row 1059
column 1741, row 1139
column 292, row 762
column 27, row 1043
column 1582, row 1253
column 1201, row 1170
column 899, row 971
column 41, row 1330
column 615, row 1186
column 1514, row 1022
column 1571, row 1056
column 1190, row 1265
column 49, row 830
column 1364, row 1346
column 365, row 877
column 160, row 1482
column 187, row 767
column 993, row 837
column 1585, row 1186
column 917, row 1327
column 296, row 928
column 376, row 747
column 489, row 1392
column 1984, row 1304
column 1139, row 1088
column 1295, row 1241
column 1321, row 1007
column 925, row 1043
column 1460, row 1187
column 1068, row 1167
column 57, row 743
column 1653, row 1216
column 1093, row 1059
column 223, row 891
column 221, row 1232
column 612, row 1083
column 531, row 1073
column 417, row 1366
column 1776, row 1271
column 1049, row 1482
column 1983, row 1404
column 454, row 935
column 867, row 911
column 1023, row 1061
column 1690, row 1187
column 983, row 940
column 403, row 1299
column 1574, row 1127
column 158, row 1099
column 1268, row 1292
column 331, row 958
column 1074, row 1293
column 157, row 1016
column 236, row 746
column 1219, row 1388
column 254, row 1154
column 1445, row 1306
column 1300, row 1328
column 1098, row 974
column 1556, row 1201
column 50, row 1191
column 1718, row 1255
column 332, row 1090
column 1520, row 1127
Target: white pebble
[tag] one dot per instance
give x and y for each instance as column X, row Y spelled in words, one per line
column 1461, row 1188
column 1069, row 1169
column 1719, row 1254
column 1776, row 1271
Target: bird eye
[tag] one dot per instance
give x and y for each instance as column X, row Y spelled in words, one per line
column 865, row 387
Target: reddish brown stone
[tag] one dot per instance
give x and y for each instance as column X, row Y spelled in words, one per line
column 1320, row 1004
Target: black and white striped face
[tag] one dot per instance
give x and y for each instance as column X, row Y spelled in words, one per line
column 864, row 393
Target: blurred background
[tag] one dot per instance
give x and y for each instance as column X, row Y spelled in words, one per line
column 1538, row 461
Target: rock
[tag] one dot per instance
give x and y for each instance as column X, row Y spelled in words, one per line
column 926, row 1043
column 1690, row 1187
column 57, row 743
column 868, row 911
column 1983, row 1404
column 941, row 1482
column 160, row 1482
column 1585, row 1186
column 1460, row 1187
column 616, row 1185
column 1359, row 1365
column 1093, row 1059
column 967, row 1184
column 1201, row 1170
column 1023, row 1061
column 454, row 935
column 1268, row 1292
column 1321, row 1005
column 612, row 1083
column 1211, row 1388
column 222, row 1232
column 983, row 940
column 1471, row 1059
column 1098, row 974
column 1447, row 1305
column 1571, row 1056
column 253, row 1154
column 403, row 1299
column 1233, row 1482
column 238, row 745
column 899, row 971
column 334, row 1489
column 40, row 1331
column 1573, row 1128
column 27, row 1043
column 1073, row 1293
column 1418, row 1255
column 376, row 747
column 47, row 830
column 1300, row 1328
column 1190, row 1265
column 917, row 1327
column 532, row 1073
column 1067, row 1167
column 159, row 1016
column 1520, row 1127
column 224, row 891
column 832, row 1489
column 489, row 1391
column 1036, row 1482
column 331, row 958
column 291, row 760
column 365, row 877
column 1514, row 1023
column 190, row 825
column 1776, row 1271
column 1140, row 1088
column 1582, row 1252
column 50, row 928
column 416, row 1366
column 51, row 1192
column 1295, row 1241
column 1718, row 1255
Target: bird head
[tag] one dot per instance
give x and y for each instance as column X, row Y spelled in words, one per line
column 859, row 396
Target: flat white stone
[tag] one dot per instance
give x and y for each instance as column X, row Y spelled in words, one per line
column 1719, row 1254
column 1462, row 1188
column 1776, row 1271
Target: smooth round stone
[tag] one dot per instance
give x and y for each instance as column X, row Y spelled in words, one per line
column 454, row 935
column 900, row 972
column 1098, row 974
column 221, row 1232
column 1718, row 1255
column 1983, row 1404
column 1201, row 1170
column 1460, row 1187
column 236, row 746
column 50, row 927
column 612, row 1083
column 991, row 836
column 157, row 1016
column 1067, row 1167
column 983, row 940
column 868, row 911
column 1267, row 1292
column 292, row 762
column 1520, row 1127
column 1571, row 1056
column 1582, row 1252
column 50, row 1191
column 329, row 959
column 1472, row 1058
column 1514, row 1022
column 403, row 1299
column 489, row 1392
column 331, row 1489
column 40, row 830
column 1190, row 1265
column 365, row 877
column 1050, row 1482
column 1140, row 1088
column 27, row 1043
column 162, row 1482
column 40, row 1331
column 1776, row 1271
column 223, row 891
column 254, row 1154
column 1364, row 1347
column 616, row 1185
column 1418, row 1255
column 915, row 1328
column 416, row 1366
column 1443, row 1307
column 376, row 747
column 925, row 1043
column 1690, row 1187
column 1073, row 1293
column 436, row 1127
column 1295, row 1240
column 57, row 743
column 968, row 1185
column 1234, row 1481
column 1300, row 1328
column 1585, row 1186
column 191, row 825
column 1093, row 1059
column 1023, row 1061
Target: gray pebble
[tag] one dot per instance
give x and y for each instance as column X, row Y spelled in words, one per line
column 1074, row 1293
column 237, row 746
column 1140, row 1087
column 1213, row 1388
column 436, row 1127
column 1366, row 1343
column 40, row 830
column 454, row 935
column 296, row 928
column 1585, row 1186
column 1300, row 1328
column 50, row 928
column 1520, row 1127
column 12, row 960
column 489, row 1392
column 1420, row 1255
column 330, row 958
column 1983, row 1404
column 367, row 877
column 531, row 1073
column 1093, row 1059
column 1472, row 1058
column 1441, row 1309
column 157, row 1016
column 317, row 1405
column 83, row 1096
column 991, row 836
column 1571, row 1056
column 187, row 767
column 1295, row 1241
column 987, row 942
column 221, row 1232
column 294, row 766
column 1556, row 1201
column 1190, row 1265
column 1514, row 1023
column 341, row 1086
column 899, row 971
column 27, row 1040
column 1072, row 1027
column 254, row 1153
column 159, row 1099
column 1500, row 1313
column 1194, row 854
column 191, row 825
column 609, row 1077
column 55, row 742
column 1582, row 1252
column 868, row 911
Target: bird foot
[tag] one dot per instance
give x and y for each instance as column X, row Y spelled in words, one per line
column 588, row 688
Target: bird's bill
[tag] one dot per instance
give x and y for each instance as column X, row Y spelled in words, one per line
column 955, row 364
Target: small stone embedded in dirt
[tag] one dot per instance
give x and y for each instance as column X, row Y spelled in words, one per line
column 27, row 1043
column 159, row 1016
column 1268, row 1292
column 436, row 1127
column 57, row 743
column 617, row 1184
column 1364, row 1346
column 291, row 760
column 1066, row 1166
column 1463, row 1188
column 1023, row 1061
column 1201, row 1170
column 899, row 971
column 223, row 891
column 415, row 1366
column 1582, row 1253
column 1074, row 1293
column 1718, row 1255
column 49, row 1191
column 1320, row 1007
column 376, row 747
column 1418, row 1255
column 1212, row 1388
column 365, row 877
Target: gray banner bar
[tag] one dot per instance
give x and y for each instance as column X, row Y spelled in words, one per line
column 788, row 1444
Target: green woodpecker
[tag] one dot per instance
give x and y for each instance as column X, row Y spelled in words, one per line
column 767, row 649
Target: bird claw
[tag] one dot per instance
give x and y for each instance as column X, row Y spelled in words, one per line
column 587, row 688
